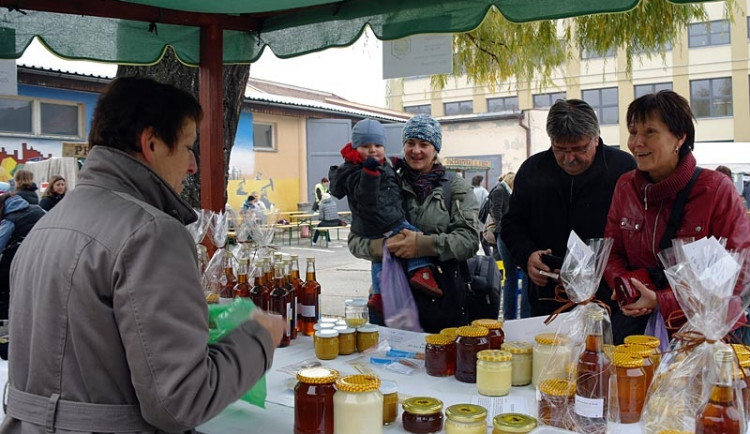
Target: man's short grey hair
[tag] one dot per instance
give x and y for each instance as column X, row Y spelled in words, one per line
column 571, row 120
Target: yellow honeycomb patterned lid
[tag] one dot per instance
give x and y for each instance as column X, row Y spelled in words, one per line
column 627, row 360
column 550, row 339
column 450, row 332
column 557, row 387
column 741, row 349
column 651, row 341
column 466, row 413
column 517, row 347
column 639, row 349
column 317, row 375
column 744, row 359
column 514, row 423
column 437, row 339
column 491, row 324
column 674, row 431
column 358, row 383
column 608, row 349
column 422, row 405
column 473, row 331
column 494, row 356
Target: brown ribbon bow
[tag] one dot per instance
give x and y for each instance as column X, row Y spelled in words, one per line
column 562, row 297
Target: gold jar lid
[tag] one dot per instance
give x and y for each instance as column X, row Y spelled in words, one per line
column 557, row 387
column 517, row 347
column 627, row 360
column 640, row 349
column 494, row 356
column 466, row 413
column 439, row 339
column 473, row 331
column 651, row 341
column 549, row 339
column 514, row 423
column 491, row 324
column 451, row 332
column 741, row 349
column 744, row 359
column 422, row 405
column 358, row 383
column 317, row 375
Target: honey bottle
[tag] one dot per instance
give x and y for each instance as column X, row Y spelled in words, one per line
column 260, row 291
column 295, row 280
column 242, row 288
column 279, row 304
column 310, row 299
column 592, row 382
column 721, row 414
column 227, row 291
column 292, row 298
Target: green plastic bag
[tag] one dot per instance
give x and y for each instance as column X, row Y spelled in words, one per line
column 222, row 319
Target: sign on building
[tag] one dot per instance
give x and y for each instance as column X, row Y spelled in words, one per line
column 76, row 150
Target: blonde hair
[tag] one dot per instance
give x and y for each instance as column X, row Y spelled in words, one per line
column 24, row 179
column 509, row 179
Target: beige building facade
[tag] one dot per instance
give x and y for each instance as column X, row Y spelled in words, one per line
column 709, row 65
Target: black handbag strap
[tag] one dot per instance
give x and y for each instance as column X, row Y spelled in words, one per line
column 675, row 218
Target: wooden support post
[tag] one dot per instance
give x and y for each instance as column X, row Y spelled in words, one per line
column 212, row 127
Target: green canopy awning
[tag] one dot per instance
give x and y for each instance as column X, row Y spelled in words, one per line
column 289, row 27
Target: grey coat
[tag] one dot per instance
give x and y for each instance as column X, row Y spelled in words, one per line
column 107, row 306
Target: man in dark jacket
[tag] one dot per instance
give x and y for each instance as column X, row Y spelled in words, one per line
column 567, row 187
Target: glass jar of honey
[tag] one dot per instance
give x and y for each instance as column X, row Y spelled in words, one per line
column 646, row 353
column 347, row 340
column 513, row 423
column 494, row 372
column 470, row 341
column 496, row 334
column 556, row 402
column 367, row 336
column 358, row 405
column 547, row 345
column 521, row 362
column 439, row 355
column 465, row 419
column 355, row 312
column 326, row 344
column 422, row 415
column 313, row 400
column 390, row 401
column 631, row 385
column 743, row 357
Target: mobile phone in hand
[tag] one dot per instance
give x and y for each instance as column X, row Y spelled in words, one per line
column 552, row 261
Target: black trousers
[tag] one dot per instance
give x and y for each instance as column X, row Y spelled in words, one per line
column 326, row 224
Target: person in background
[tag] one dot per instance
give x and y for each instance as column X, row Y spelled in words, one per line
column 448, row 236
column 259, row 204
column 567, row 187
column 320, row 188
column 329, row 217
column 499, row 204
column 479, row 191
column 661, row 136
column 372, row 188
column 106, row 288
column 25, row 186
column 17, row 217
column 725, row 170
column 54, row 193
column 251, row 203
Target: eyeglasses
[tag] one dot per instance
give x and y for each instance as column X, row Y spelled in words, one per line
column 578, row 150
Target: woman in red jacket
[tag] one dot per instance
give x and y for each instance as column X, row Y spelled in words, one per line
column 661, row 137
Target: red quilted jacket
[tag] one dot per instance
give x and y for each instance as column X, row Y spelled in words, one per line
column 640, row 210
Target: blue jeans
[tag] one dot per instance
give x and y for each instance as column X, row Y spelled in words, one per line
column 411, row 264
column 510, row 288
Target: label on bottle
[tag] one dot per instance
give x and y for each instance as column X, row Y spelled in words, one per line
column 295, row 309
column 589, row 407
column 307, row 311
column 317, row 311
column 288, row 318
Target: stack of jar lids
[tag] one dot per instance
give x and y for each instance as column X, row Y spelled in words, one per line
column 358, row 383
column 473, row 331
column 494, row 356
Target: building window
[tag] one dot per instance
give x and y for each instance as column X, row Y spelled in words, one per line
column 264, row 137
column 604, row 103
column 645, row 89
column 591, row 54
column 711, row 98
column 505, row 104
column 641, row 51
column 707, row 34
column 34, row 117
column 419, row 109
column 544, row 100
column 458, row 108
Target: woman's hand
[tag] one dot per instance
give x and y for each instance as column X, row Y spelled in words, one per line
column 645, row 304
column 403, row 244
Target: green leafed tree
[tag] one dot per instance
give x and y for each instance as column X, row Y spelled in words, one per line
column 499, row 51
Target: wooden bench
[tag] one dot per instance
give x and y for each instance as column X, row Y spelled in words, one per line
column 326, row 232
column 288, row 230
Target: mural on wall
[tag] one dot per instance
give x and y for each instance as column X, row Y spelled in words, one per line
column 8, row 162
column 246, row 178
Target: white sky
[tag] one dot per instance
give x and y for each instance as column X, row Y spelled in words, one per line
column 353, row 73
